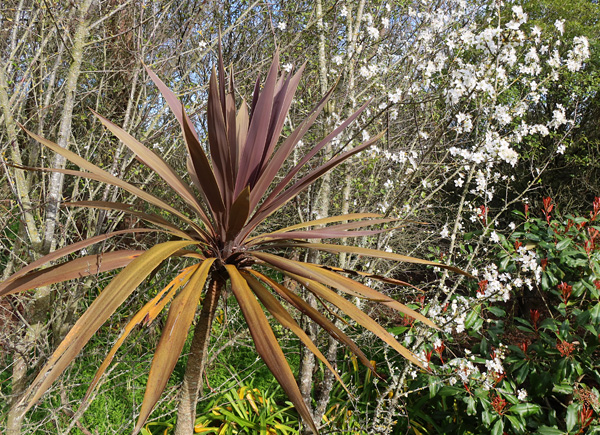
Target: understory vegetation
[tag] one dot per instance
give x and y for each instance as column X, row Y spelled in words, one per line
column 441, row 248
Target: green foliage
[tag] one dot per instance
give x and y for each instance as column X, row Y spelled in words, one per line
column 347, row 413
column 531, row 365
column 247, row 410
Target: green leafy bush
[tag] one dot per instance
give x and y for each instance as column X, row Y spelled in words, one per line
column 522, row 354
column 247, row 410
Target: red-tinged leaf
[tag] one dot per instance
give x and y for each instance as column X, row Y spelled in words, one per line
column 217, row 136
column 376, row 254
column 202, row 170
column 77, row 268
column 146, row 315
column 230, row 118
column 126, row 208
column 194, row 177
column 342, row 283
column 241, row 134
column 115, row 293
column 278, row 96
column 255, row 95
column 266, row 343
column 271, row 206
column 206, row 177
column 257, row 132
column 290, row 175
column 314, row 175
column 158, row 165
column 221, row 76
column 274, row 165
column 358, row 316
column 287, row 321
column 322, row 221
column 189, row 254
column 172, row 339
column 332, row 231
column 69, row 249
column 372, row 276
column 171, row 99
column 302, row 306
column 311, row 271
column 240, row 210
column 320, row 233
column 283, row 101
column 116, row 206
column 105, row 177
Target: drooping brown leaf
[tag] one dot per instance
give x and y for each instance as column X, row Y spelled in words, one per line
column 66, row 250
column 266, row 343
column 316, row 316
column 342, row 283
column 146, row 315
column 77, row 268
column 357, row 315
column 111, row 179
column 287, row 321
column 172, row 339
column 126, row 208
column 99, row 311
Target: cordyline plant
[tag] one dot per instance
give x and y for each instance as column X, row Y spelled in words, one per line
column 235, row 191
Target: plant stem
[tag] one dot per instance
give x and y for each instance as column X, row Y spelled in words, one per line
column 192, row 380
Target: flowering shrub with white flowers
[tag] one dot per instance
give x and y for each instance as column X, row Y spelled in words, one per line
column 519, row 353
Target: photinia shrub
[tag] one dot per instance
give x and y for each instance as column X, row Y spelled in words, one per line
column 520, row 354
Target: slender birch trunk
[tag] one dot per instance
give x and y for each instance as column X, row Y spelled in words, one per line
column 55, row 186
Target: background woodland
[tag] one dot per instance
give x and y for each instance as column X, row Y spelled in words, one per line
column 491, row 157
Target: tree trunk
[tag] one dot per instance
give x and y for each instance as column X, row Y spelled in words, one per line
column 192, row 380
column 55, row 186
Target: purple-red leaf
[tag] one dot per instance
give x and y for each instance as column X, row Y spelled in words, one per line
column 290, row 175
column 158, row 165
column 274, row 165
column 240, row 210
column 257, row 132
